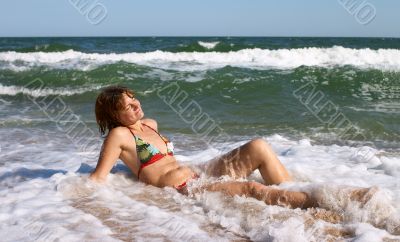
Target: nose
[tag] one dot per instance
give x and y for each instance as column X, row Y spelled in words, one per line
column 136, row 104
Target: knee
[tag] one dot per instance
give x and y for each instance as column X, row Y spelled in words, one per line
column 259, row 145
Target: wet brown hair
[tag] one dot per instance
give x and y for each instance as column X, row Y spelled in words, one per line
column 108, row 104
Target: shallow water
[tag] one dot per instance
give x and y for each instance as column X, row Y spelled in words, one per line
column 248, row 88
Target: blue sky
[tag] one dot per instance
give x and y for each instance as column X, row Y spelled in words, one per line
column 196, row 18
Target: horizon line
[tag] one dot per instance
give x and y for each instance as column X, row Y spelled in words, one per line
column 196, row 36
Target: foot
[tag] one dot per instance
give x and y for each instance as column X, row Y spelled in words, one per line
column 326, row 215
column 363, row 195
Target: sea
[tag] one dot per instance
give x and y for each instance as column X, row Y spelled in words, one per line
column 329, row 107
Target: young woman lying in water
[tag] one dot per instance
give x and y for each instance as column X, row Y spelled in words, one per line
column 149, row 155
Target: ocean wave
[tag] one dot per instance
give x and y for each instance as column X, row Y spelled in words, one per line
column 41, row 92
column 208, row 45
column 383, row 107
column 382, row 59
column 54, row 47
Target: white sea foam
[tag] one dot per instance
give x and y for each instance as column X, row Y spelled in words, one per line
column 40, row 92
column 208, row 45
column 382, row 59
column 380, row 107
column 45, row 196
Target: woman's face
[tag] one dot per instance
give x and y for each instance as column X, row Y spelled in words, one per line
column 131, row 111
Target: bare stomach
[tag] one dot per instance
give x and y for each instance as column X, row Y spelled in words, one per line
column 166, row 172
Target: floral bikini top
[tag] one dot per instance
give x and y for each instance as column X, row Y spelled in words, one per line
column 148, row 153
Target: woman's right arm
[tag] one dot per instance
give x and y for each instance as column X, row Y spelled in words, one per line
column 109, row 154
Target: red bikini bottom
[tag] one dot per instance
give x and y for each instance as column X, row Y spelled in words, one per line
column 182, row 187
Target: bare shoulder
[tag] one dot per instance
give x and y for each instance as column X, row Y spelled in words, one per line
column 119, row 132
column 118, row 137
column 150, row 122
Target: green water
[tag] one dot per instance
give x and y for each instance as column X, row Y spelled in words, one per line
column 245, row 101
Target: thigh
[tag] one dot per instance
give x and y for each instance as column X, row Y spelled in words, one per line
column 236, row 163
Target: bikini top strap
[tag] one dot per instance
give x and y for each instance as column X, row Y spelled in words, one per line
column 165, row 141
column 150, row 127
column 155, row 131
column 132, row 133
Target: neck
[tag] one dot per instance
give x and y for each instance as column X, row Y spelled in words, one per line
column 138, row 126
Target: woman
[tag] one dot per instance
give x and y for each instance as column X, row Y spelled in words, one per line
column 149, row 155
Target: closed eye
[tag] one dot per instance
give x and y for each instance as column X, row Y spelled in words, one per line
column 129, row 107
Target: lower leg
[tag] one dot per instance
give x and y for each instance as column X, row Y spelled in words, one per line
column 270, row 196
column 270, row 167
